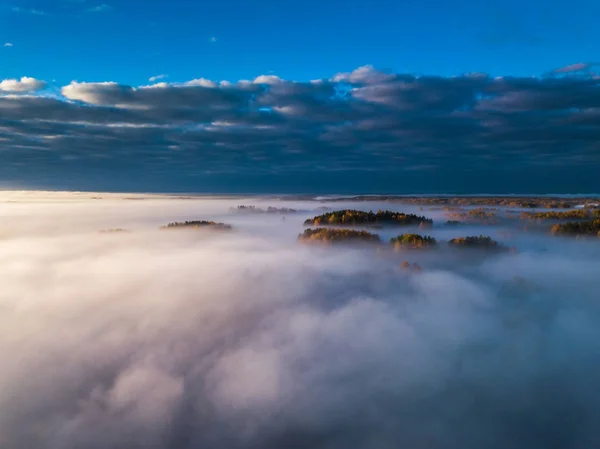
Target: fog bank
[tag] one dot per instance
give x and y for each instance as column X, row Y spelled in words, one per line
column 248, row 339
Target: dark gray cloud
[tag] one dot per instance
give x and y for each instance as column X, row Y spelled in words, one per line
column 365, row 119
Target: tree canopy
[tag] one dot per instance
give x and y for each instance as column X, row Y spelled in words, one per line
column 350, row 217
column 333, row 236
column 413, row 241
column 577, row 228
column 197, row 225
column 557, row 215
column 483, row 242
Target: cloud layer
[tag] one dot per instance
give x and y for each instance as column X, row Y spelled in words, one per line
column 181, row 340
column 365, row 121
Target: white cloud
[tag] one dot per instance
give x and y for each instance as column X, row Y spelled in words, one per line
column 578, row 67
column 153, row 79
column 267, row 79
column 89, row 92
column 25, row 84
column 366, row 75
column 33, row 11
column 100, row 8
column 8, row 44
column 201, row 82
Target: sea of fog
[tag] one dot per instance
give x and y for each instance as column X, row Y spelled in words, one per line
column 189, row 339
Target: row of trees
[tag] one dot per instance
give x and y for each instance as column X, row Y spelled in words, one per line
column 401, row 242
column 350, row 217
column 516, row 202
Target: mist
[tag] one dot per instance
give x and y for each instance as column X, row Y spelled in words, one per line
column 249, row 339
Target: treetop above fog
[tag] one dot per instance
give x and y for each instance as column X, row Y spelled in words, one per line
column 483, row 242
column 413, row 241
column 578, row 228
column 350, row 217
column 197, row 225
column 331, row 236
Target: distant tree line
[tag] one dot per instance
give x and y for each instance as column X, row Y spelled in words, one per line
column 258, row 210
column 556, row 215
column 511, row 201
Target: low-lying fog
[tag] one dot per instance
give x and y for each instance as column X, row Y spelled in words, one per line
column 248, row 339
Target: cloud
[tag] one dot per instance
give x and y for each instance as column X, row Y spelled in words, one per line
column 367, row 120
column 8, row 44
column 100, row 8
column 203, row 82
column 35, row 12
column 267, row 79
column 25, row 84
column 96, row 93
column 249, row 340
column 573, row 68
column 153, row 79
column 363, row 75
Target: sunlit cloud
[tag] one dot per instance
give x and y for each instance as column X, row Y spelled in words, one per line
column 153, row 79
column 25, row 84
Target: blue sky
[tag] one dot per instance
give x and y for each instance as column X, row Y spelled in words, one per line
column 429, row 96
column 131, row 40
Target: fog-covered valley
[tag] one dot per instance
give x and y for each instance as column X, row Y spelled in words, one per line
column 195, row 338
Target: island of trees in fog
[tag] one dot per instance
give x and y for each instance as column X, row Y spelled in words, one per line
column 332, row 236
column 578, row 228
column 351, row 217
column 413, row 241
column 481, row 242
column 197, row 225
